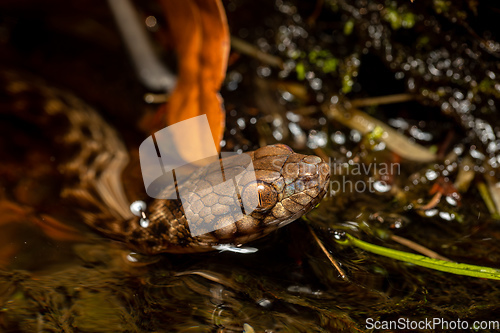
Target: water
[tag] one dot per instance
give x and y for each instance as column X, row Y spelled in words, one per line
column 57, row 275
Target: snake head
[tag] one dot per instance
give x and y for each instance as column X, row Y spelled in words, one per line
column 289, row 184
column 281, row 187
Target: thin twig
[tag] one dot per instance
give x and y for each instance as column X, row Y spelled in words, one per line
column 433, row 202
column 329, row 256
column 388, row 99
column 490, row 192
column 417, row 247
column 465, row 175
column 250, row 50
column 151, row 98
column 315, row 14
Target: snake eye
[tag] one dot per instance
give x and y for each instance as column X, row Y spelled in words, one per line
column 258, row 196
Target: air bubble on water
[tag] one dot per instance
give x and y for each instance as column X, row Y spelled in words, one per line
column 447, row 216
column 431, row 174
column 293, row 116
column 355, row 136
column 317, row 139
column 241, row 123
column 431, row 212
column 338, row 137
column 295, row 129
column 381, row 186
column 451, row 201
column 263, row 71
column 316, row 84
column 287, row 96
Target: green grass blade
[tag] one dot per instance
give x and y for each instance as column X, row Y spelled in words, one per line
column 436, row 264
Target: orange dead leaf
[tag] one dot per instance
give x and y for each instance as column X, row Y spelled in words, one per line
column 201, row 37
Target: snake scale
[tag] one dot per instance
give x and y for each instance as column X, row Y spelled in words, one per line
column 288, row 184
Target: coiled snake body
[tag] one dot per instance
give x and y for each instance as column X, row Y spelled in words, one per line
column 289, row 184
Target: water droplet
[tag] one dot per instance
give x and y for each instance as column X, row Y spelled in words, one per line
column 338, row 137
column 355, row 136
column 431, row 212
column 144, row 222
column 293, row 116
column 137, row 207
column 316, row 84
column 451, row 201
column 131, row 258
column 241, row 123
column 287, row 96
column 263, row 71
column 317, row 139
column 446, row 216
column 381, row 186
column 431, row 174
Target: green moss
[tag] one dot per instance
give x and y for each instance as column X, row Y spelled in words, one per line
column 422, row 41
column 392, row 16
column 317, row 60
column 301, row 72
column 330, row 65
column 408, row 20
column 441, row 6
column 348, row 27
column 487, row 86
column 399, row 18
column 347, row 84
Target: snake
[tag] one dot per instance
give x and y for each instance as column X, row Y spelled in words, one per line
column 288, row 184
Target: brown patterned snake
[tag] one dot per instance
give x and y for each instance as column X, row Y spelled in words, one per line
column 289, row 184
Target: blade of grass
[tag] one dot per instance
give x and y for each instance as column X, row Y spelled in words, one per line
column 436, row 264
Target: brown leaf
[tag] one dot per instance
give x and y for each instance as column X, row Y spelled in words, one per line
column 201, row 37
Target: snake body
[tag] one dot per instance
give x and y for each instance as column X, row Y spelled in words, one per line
column 288, row 184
